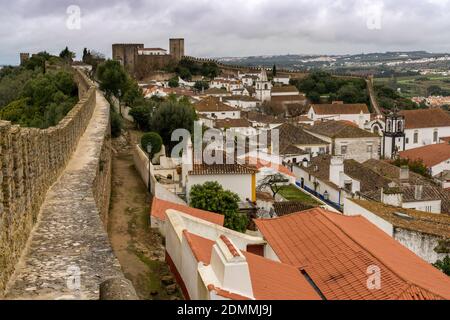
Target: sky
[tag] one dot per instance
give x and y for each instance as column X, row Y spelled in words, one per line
column 223, row 28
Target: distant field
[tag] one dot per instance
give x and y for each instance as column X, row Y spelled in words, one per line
column 417, row 85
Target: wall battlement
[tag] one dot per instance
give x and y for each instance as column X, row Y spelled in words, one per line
column 55, row 187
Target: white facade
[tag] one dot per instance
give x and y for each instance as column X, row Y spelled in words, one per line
column 263, row 87
column 360, row 119
column 222, row 115
column 416, row 138
column 241, row 184
column 242, row 104
column 283, row 80
column 421, row 244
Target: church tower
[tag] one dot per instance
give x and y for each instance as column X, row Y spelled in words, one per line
column 263, row 87
column 394, row 138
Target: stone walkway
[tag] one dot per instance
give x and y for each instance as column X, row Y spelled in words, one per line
column 69, row 248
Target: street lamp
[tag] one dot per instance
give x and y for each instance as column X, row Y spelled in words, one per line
column 149, row 151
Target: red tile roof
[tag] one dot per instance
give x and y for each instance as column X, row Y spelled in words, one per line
column 336, row 108
column 425, row 118
column 159, row 208
column 431, row 154
column 211, row 104
column 263, row 164
column 271, row 280
column 336, row 252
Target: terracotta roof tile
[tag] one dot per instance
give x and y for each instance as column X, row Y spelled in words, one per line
column 159, row 208
column 340, row 129
column 233, row 123
column 271, row 280
column 431, row 154
column 211, row 104
column 284, row 89
column 288, row 207
column 337, row 108
column 425, row 118
column 336, row 252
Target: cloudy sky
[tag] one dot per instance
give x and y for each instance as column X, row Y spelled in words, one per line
column 215, row 28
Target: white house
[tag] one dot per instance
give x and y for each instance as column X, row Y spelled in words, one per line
column 347, row 140
column 243, row 102
column 214, row 108
column 419, row 231
column 436, row 157
column 282, row 79
column 239, row 127
column 425, row 127
column 356, row 113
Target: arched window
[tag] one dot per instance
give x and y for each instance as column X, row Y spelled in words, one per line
column 266, row 86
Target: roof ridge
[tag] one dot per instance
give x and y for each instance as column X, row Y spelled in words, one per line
column 373, row 254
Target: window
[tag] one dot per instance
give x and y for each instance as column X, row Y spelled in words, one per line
column 344, row 149
column 294, row 160
column 435, row 136
column 416, row 137
column 369, row 148
column 348, row 186
column 407, row 140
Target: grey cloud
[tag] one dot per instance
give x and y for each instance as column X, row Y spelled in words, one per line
column 231, row 27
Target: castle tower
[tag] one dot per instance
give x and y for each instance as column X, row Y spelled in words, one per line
column 24, row 57
column 263, row 87
column 127, row 54
column 177, row 48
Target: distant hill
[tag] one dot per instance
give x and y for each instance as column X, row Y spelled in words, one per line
column 371, row 61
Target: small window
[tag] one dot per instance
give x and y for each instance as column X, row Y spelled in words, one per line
column 416, row 137
column 369, row 148
column 435, row 136
column 344, row 149
column 407, row 140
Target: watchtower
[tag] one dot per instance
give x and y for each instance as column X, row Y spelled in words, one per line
column 24, row 57
column 177, row 48
column 127, row 55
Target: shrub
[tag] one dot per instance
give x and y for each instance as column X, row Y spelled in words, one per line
column 154, row 139
column 116, row 124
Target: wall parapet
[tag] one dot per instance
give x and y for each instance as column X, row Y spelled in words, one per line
column 31, row 160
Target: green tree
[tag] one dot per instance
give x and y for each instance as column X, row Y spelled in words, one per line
column 142, row 113
column 274, row 71
column 67, row 55
column 416, row 166
column 132, row 93
column 153, row 139
column 113, row 78
column 212, row 197
column 201, row 85
column 116, row 124
column 443, row 265
column 174, row 82
column 170, row 116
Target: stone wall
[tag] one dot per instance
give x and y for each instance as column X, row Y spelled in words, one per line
column 31, row 160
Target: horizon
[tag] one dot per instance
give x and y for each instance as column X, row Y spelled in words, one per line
column 214, row 29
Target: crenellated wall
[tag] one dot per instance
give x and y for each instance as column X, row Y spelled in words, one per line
column 31, row 160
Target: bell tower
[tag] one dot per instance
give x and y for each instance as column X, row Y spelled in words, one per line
column 263, row 87
column 394, row 138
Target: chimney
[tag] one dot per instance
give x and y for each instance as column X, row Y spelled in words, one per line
column 404, row 173
column 418, row 192
column 336, row 168
column 231, row 268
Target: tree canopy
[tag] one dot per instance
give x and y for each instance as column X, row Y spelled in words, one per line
column 212, row 197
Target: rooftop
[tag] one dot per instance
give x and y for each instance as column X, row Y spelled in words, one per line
column 288, row 207
column 423, row 222
column 425, row 118
column 285, row 89
column 159, row 208
column 211, row 104
column 270, row 280
column 337, row 251
column 431, row 155
column 337, row 108
column 233, row 123
column 340, row 129
column 293, row 135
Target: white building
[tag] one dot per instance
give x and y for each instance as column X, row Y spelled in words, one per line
column 347, row 140
column 419, row 231
column 243, row 102
column 356, row 113
column 214, row 108
column 282, row 79
column 435, row 157
column 425, row 127
column 263, row 87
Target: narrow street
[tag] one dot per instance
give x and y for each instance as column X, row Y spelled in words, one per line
column 139, row 250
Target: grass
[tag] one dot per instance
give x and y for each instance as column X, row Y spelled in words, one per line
column 413, row 86
column 292, row 193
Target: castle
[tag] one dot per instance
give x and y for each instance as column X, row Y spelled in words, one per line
column 140, row 61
